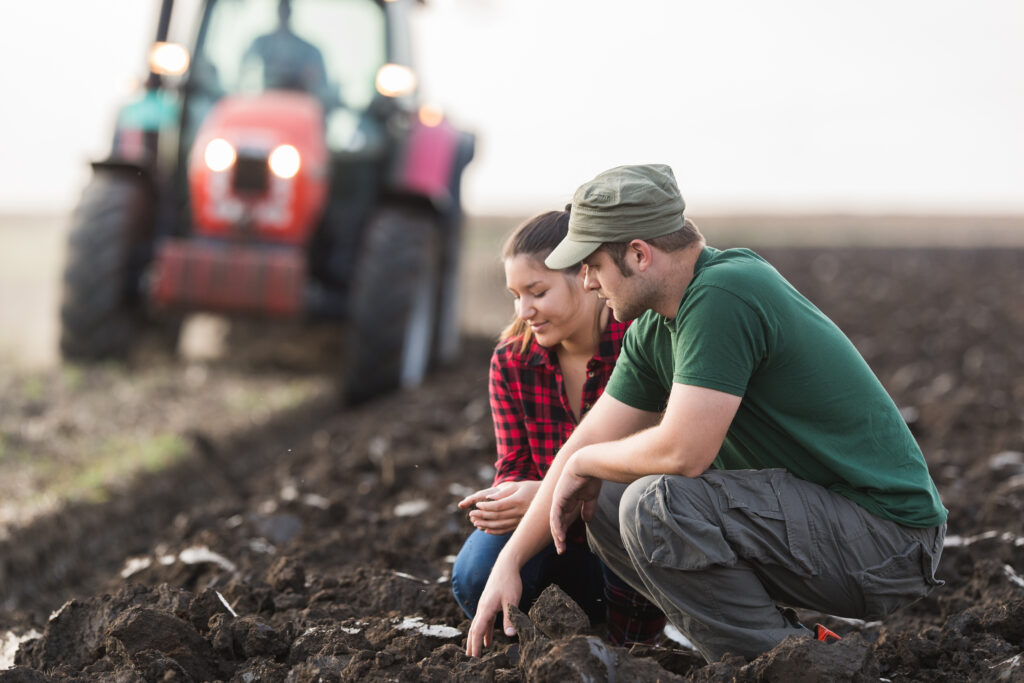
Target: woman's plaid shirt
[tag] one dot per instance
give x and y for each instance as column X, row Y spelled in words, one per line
column 532, row 420
column 529, row 406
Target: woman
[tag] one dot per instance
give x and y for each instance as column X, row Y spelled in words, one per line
column 550, row 365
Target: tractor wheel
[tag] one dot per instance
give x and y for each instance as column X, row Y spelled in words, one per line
column 97, row 315
column 393, row 305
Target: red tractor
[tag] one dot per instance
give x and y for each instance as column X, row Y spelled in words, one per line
column 281, row 169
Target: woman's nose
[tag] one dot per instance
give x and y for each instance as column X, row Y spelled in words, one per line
column 526, row 309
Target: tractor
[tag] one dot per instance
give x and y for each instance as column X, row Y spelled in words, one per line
column 280, row 168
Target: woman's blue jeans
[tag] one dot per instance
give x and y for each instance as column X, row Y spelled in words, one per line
column 577, row 571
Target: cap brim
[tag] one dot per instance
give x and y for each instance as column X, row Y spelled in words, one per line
column 569, row 253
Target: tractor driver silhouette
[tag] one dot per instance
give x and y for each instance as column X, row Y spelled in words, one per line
column 288, row 61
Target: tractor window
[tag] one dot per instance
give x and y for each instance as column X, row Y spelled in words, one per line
column 330, row 48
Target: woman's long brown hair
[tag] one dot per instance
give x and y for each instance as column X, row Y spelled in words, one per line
column 536, row 237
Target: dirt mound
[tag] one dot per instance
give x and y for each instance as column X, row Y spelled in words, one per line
column 320, row 547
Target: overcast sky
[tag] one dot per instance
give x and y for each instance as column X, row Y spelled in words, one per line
column 878, row 105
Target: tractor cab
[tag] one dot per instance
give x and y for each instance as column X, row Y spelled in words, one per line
column 279, row 168
column 333, row 50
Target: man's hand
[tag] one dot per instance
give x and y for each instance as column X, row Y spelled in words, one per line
column 575, row 495
column 504, row 588
column 500, row 508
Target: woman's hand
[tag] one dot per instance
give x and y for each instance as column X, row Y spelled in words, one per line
column 504, row 588
column 499, row 509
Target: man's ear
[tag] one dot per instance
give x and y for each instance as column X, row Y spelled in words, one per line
column 640, row 254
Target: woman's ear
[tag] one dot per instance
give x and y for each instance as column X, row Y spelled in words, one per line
column 581, row 278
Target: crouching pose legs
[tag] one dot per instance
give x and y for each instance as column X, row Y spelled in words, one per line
column 721, row 554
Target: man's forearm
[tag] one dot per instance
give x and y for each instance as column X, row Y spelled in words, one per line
column 635, row 456
column 534, row 531
column 625, row 460
column 685, row 442
column 608, row 420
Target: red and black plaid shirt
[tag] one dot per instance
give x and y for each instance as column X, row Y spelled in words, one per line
column 532, row 417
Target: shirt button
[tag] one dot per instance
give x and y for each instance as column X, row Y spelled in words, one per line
column 591, row 374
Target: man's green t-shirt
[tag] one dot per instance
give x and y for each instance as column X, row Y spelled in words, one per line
column 810, row 402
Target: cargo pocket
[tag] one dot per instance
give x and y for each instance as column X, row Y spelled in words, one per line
column 897, row 582
column 766, row 520
column 675, row 539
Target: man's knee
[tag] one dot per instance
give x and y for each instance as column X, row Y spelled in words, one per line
column 635, row 506
column 606, row 512
column 666, row 519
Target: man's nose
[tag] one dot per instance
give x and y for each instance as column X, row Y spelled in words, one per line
column 589, row 281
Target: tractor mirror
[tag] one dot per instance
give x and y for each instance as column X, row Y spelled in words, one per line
column 168, row 59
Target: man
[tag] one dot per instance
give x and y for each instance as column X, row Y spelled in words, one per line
column 743, row 456
column 287, row 61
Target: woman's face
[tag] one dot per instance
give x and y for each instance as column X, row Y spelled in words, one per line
column 549, row 301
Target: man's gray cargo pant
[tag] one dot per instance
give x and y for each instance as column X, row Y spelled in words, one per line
column 718, row 552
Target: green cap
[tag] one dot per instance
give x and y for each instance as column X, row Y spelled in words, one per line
column 621, row 204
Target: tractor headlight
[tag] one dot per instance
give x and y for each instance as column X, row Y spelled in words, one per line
column 395, row 80
column 168, row 59
column 285, row 161
column 219, row 155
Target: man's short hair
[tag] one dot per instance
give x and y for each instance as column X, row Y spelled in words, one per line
column 688, row 235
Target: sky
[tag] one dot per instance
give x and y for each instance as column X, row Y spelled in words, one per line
column 873, row 106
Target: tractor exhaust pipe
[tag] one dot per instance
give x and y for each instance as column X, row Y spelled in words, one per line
column 163, row 28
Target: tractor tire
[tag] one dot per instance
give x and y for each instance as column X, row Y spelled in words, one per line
column 98, row 316
column 393, row 305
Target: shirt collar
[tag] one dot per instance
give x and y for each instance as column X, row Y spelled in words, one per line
column 536, row 355
column 706, row 254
